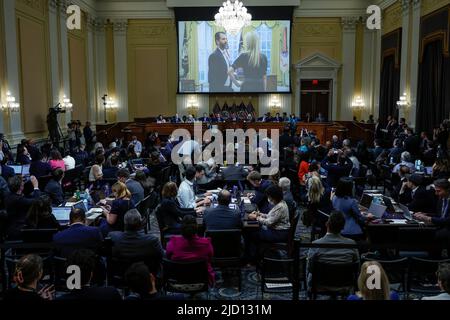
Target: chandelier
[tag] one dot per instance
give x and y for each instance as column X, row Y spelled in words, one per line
column 233, row 16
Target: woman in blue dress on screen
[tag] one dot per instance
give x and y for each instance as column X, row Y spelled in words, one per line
column 254, row 65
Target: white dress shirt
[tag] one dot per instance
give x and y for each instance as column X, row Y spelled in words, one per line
column 186, row 194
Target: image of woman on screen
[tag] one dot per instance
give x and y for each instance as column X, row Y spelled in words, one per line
column 254, row 66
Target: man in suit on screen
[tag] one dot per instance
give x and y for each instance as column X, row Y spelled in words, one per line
column 218, row 64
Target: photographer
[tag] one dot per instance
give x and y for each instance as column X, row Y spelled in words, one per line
column 52, row 124
column 337, row 165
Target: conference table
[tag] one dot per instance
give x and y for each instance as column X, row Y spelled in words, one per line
column 323, row 131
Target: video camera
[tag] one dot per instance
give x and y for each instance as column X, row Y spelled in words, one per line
column 57, row 109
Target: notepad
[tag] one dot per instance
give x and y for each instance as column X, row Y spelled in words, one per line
column 278, row 285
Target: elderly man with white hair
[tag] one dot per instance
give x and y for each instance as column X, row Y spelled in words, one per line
column 405, row 161
column 285, row 185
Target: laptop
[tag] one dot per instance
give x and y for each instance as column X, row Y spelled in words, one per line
column 408, row 215
column 17, row 169
column 377, row 210
column 81, row 205
column 26, row 170
column 366, row 200
column 391, row 207
column 62, row 214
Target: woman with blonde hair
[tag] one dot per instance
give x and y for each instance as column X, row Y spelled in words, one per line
column 373, row 284
column 254, row 65
column 318, row 200
column 116, row 212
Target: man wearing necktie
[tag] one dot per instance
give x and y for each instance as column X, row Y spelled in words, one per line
column 442, row 217
column 218, row 65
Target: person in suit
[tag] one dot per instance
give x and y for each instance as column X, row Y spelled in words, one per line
column 320, row 118
column 277, row 118
column 443, row 275
column 412, row 142
column 205, row 118
column 219, row 63
column 86, row 260
column 337, row 165
column 335, row 225
column 110, row 172
column 260, row 185
column 286, row 140
column 133, row 243
column 39, row 167
column 377, row 150
column 222, row 217
column 441, row 217
column 78, row 235
column 234, row 172
column 136, row 189
column 415, row 196
column 176, row 119
column 265, row 118
column 17, row 205
column 54, row 188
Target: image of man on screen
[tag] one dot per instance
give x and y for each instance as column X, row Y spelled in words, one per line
column 218, row 66
column 254, row 66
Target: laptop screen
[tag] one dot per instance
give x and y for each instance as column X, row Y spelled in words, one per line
column 81, row 205
column 17, row 169
column 26, row 170
column 62, row 213
column 366, row 200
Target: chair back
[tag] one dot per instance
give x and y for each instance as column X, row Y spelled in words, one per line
column 396, row 270
column 333, row 277
column 422, row 275
column 38, row 235
column 226, row 243
column 185, row 276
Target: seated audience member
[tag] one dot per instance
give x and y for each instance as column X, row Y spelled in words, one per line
column 222, row 217
column 137, row 146
column 377, row 150
column 443, row 275
column 17, row 205
column 343, row 201
column 56, row 160
column 113, row 153
column 168, row 213
column 96, row 172
column 54, row 187
column 27, row 274
column 362, row 153
column 86, row 260
column 442, row 216
column 336, row 144
column 142, row 285
column 136, row 189
column 396, row 151
column 190, row 247
column 441, row 168
column 186, row 192
column 116, row 212
column 234, row 172
column 275, row 224
column 23, row 156
column 6, row 171
column 285, row 185
column 134, row 244
column 337, row 165
column 31, row 147
column 405, row 160
column 260, row 185
column 81, row 155
column 40, row 215
column 39, row 167
column 335, row 225
column 415, row 196
column 78, row 235
column 318, row 199
column 365, row 293
column 144, row 181
column 69, row 161
column 110, row 172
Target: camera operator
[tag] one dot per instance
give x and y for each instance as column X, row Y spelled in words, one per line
column 52, row 123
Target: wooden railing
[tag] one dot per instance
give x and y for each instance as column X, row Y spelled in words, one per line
column 358, row 131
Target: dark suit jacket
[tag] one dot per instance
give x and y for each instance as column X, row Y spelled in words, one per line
column 260, row 198
column 136, row 189
column 78, row 236
column 169, row 214
column 16, row 210
column 7, row 172
column 221, row 218
column 336, row 171
column 421, row 201
column 285, row 141
column 217, row 71
column 55, row 191
column 234, row 173
column 412, row 144
column 439, row 219
column 132, row 244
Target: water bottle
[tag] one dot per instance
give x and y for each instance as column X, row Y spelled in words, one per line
column 392, row 160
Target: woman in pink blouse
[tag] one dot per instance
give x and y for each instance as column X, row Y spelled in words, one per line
column 56, row 160
column 190, row 247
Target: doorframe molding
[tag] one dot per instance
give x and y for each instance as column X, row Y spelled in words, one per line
column 318, row 66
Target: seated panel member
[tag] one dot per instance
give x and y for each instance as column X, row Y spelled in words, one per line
column 222, row 217
column 205, row 118
column 260, row 185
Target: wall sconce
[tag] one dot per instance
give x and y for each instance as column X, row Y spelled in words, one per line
column 11, row 104
column 403, row 103
column 358, row 104
column 275, row 104
column 192, row 105
column 111, row 104
column 66, row 104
